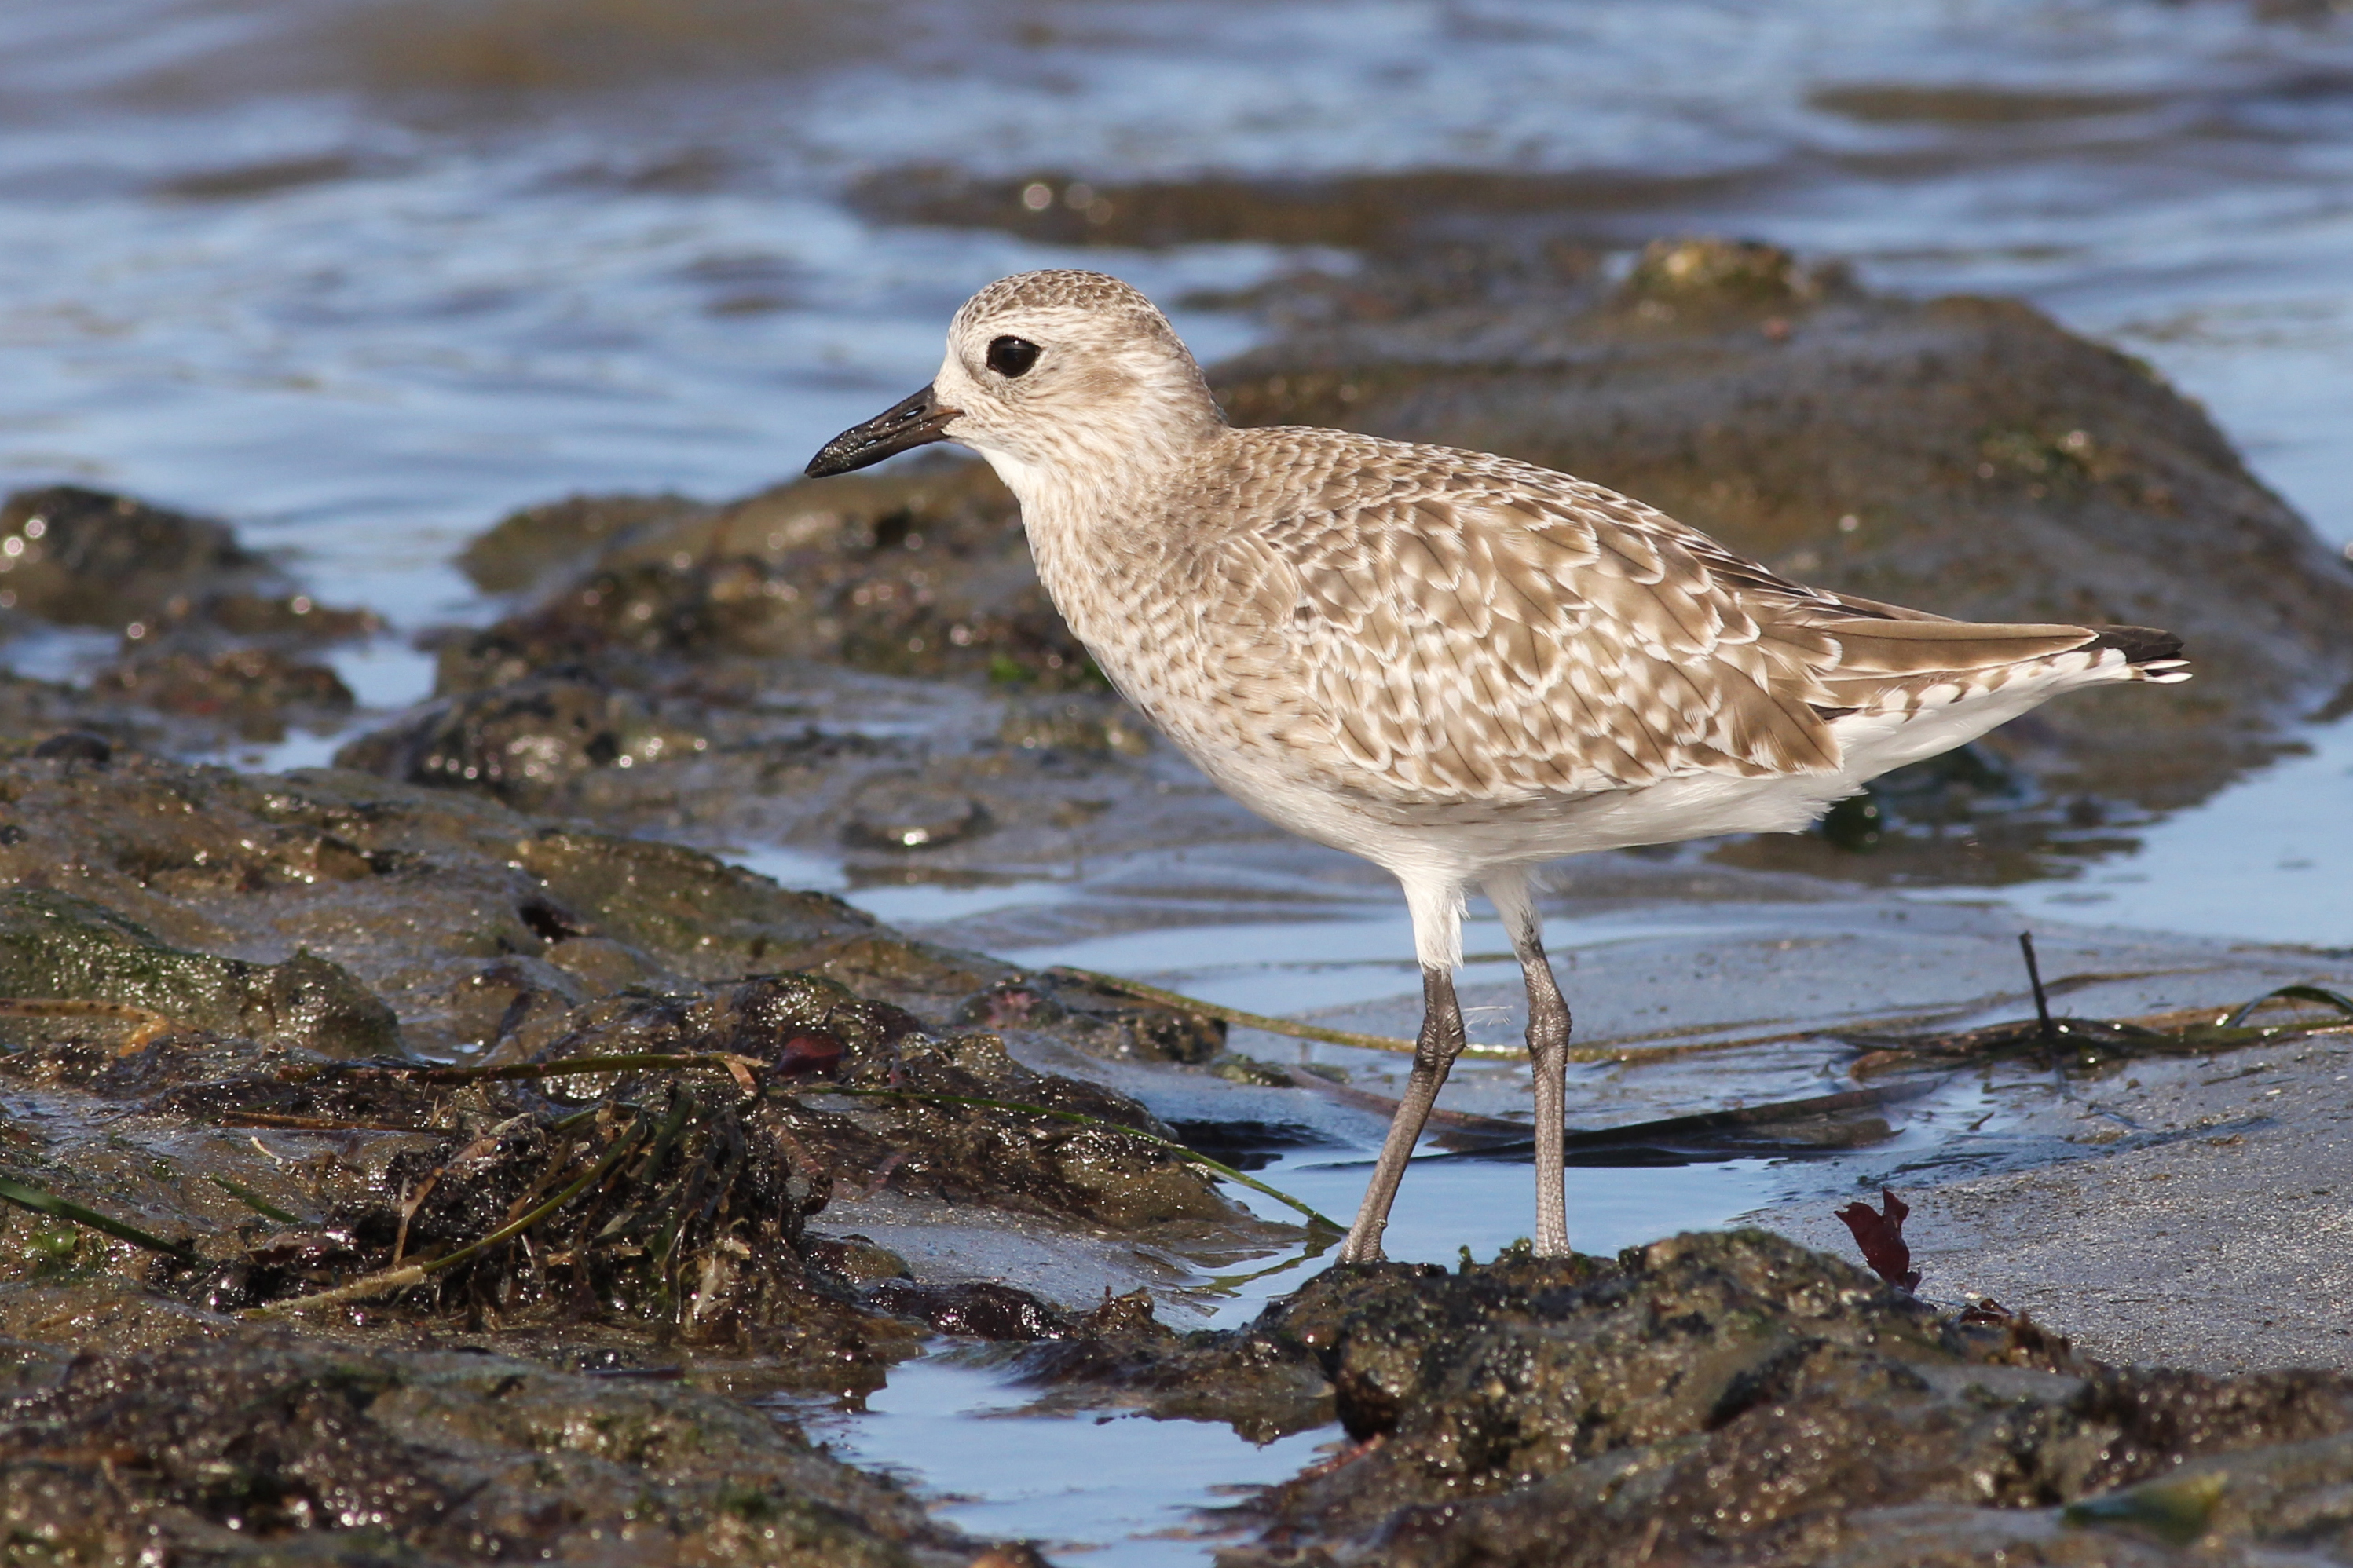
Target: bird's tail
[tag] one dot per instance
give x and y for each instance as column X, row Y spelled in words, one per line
column 2150, row 654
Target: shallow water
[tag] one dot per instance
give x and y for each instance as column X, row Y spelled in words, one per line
column 1121, row 1489
column 361, row 274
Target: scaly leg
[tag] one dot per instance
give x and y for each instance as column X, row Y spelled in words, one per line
column 1548, row 1030
column 1434, row 1050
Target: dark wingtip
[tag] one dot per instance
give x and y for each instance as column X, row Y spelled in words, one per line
column 2139, row 645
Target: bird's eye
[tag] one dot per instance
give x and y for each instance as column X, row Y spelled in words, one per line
column 1009, row 357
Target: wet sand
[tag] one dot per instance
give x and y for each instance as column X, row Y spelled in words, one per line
column 2201, row 1218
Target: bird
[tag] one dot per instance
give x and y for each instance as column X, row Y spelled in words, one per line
column 1455, row 665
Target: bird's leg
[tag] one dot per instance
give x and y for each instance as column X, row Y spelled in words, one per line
column 1434, row 1051
column 1548, row 1030
column 1548, row 1026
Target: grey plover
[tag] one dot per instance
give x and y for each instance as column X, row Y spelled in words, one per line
column 1453, row 664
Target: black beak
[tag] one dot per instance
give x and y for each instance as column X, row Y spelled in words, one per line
column 917, row 422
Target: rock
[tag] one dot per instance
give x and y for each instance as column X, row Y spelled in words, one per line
column 451, row 908
column 33, row 713
column 519, row 740
column 273, row 1448
column 956, row 1134
column 859, row 1259
column 525, row 548
column 211, row 632
column 83, row 557
column 76, row 746
column 287, row 619
column 907, row 813
column 923, row 574
column 980, row 1309
column 684, row 908
column 56, row 945
column 252, row 687
column 456, row 912
column 1723, row 1398
column 1080, row 723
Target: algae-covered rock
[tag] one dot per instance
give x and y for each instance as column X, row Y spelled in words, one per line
column 458, row 911
column 884, row 1103
column 1728, row 1398
column 688, row 908
column 88, row 558
column 84, row 557
column 529, row 545
column 433, row 899
column 920, row 574
column 213, row 634
column 270, row 1449
column 255, row 690
column 56, row 945
column 516, row 740
column 487, row 931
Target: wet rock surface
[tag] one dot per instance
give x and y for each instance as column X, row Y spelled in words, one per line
column 260, row 1446
column 453, row 910
column 2202, row 1229
column 218, row 645
column 254, row 690
column 56, row 944
column 1727, row 1398
column 224, row 996
column 924, row 574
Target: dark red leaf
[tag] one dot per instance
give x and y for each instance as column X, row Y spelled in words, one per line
column 809, row 1053
column 1880, row 1233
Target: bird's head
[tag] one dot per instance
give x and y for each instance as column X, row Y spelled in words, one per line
column 1046, row 373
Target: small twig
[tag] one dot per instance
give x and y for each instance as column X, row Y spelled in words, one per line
column 2034, row 978
column 400, row 1278
column 1081, row 1120
column 152, row 1025
column 1289, row 1028
column 41, row 1201
column 2049, row 1032
column 1626, row 1050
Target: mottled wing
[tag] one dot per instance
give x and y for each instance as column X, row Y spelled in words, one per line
column 1468, row 628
